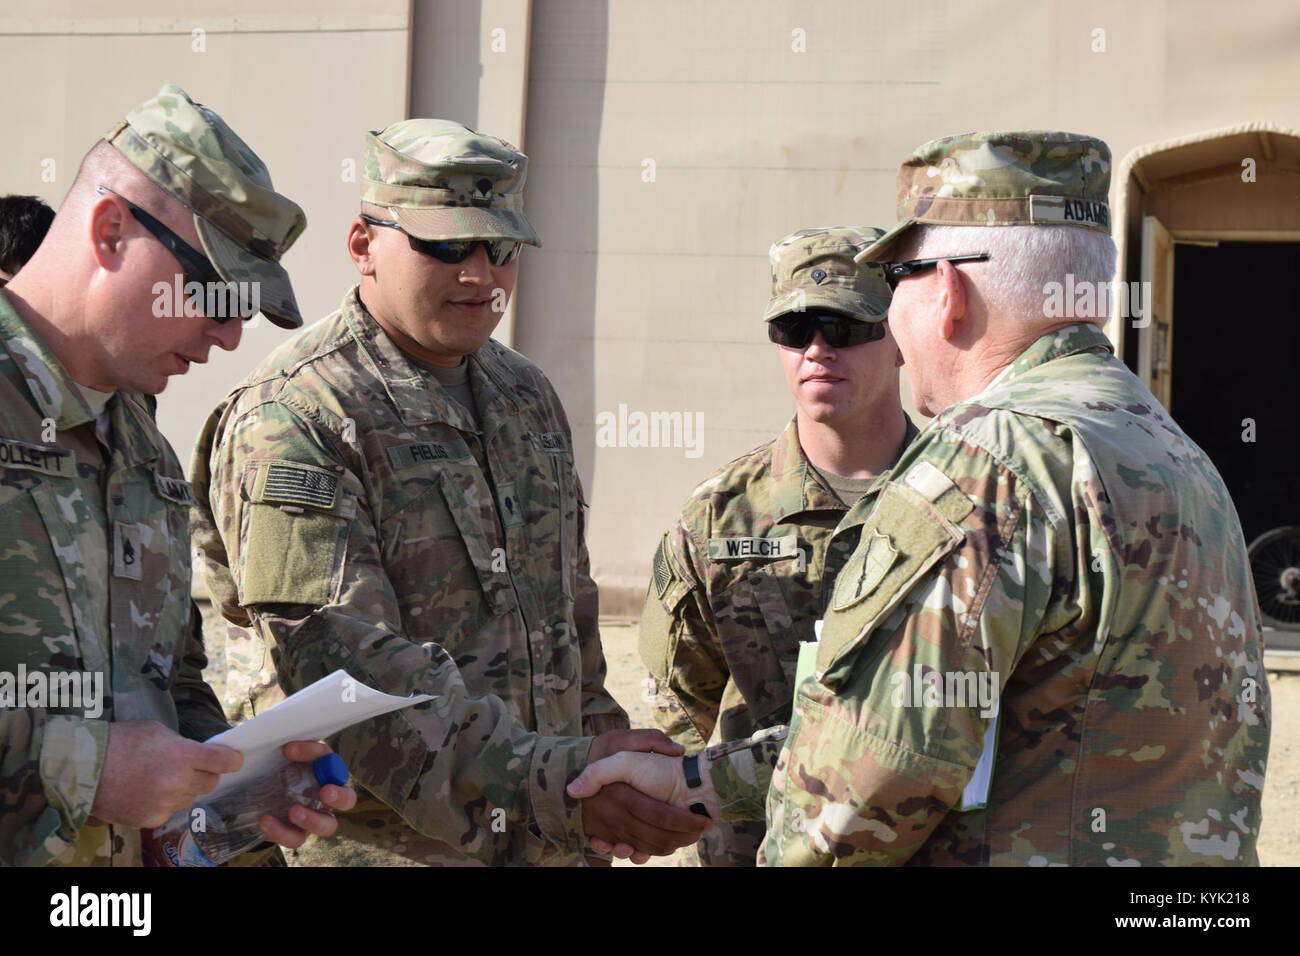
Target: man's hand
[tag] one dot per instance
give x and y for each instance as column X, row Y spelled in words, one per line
column 150, row 772
column 631, row 824
column 622, row 817
column 642, row 741
column 306, row 822
column 650, row 774
column 654, row 775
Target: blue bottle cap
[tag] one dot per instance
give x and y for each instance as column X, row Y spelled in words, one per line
column 330, row 769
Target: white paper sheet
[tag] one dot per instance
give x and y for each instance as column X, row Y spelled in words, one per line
column 332, row 703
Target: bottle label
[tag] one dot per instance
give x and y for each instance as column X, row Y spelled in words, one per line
column 179, row 847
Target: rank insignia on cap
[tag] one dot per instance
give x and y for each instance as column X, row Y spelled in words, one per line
column 818, row 275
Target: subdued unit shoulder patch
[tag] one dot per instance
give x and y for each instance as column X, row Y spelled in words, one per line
column 663, row 569
column 866, row 569
column 294, row 483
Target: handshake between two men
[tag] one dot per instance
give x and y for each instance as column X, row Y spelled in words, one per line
column 635, row 797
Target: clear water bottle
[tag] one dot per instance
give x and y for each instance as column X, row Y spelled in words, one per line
column 216, row 830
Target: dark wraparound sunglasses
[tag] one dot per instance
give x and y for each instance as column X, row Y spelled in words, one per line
column 796, row 330
column 196, row 266
column 452, row 251
column 901, row 270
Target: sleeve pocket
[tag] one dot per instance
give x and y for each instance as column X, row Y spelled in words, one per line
column 657, row 633
column 293, row 535
column 903, row 539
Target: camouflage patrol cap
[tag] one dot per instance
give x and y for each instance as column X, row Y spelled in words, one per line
column 244, row 225
column 444, row 181
column 1019, row 178
column 814, row 269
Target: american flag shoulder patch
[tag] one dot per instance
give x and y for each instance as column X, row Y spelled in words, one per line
column 664, row 574
column 295, row 484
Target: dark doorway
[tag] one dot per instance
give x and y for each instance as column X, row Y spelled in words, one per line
column 1236, row 356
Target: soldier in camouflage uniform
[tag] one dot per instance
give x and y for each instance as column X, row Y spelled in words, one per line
column 1046, row 648
column 740, row 580
column 394, row 493
column 94, row 521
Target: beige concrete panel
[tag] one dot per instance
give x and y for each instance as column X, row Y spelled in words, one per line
column 471, row 65
column 139, row 17
column 445, row 62
column 1231, row 62
column 503, row 90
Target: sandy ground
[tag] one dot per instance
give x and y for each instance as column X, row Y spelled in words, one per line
column 1279, row 840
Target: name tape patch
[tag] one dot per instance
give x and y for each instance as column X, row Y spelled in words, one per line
column 43, row 458
column 744, row 549
column 1078, row 212
column 299, row 485
column 176, row 490
column 424, row 453
column 928, row 480
column 552, row 443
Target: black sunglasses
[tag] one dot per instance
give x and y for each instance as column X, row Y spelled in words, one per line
column 452, row 251
column 795, row 331
column 196, row 266
column 901, row 270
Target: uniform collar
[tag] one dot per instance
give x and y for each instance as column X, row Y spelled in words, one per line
column 1069, row 340
column 799, row 486
column 136, row 437
column 410, row 391
column 52, row 391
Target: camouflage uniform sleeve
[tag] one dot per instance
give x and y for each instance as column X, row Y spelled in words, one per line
column 311, row 577
column 950, row 582
column 600, row 711
column 197, row 709
column 49, row 771
column 679, row 644
column 741, row 772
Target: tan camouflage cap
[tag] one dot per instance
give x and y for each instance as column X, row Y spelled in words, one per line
column 1019, row 178
column 444, row 181
column 814, row 269
column 245, row 226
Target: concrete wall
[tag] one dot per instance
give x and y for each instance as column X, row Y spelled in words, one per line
column 648, row 294
column 760, row 117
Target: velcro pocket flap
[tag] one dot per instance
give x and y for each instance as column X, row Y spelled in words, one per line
column 293, row 534
column 903, row 539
